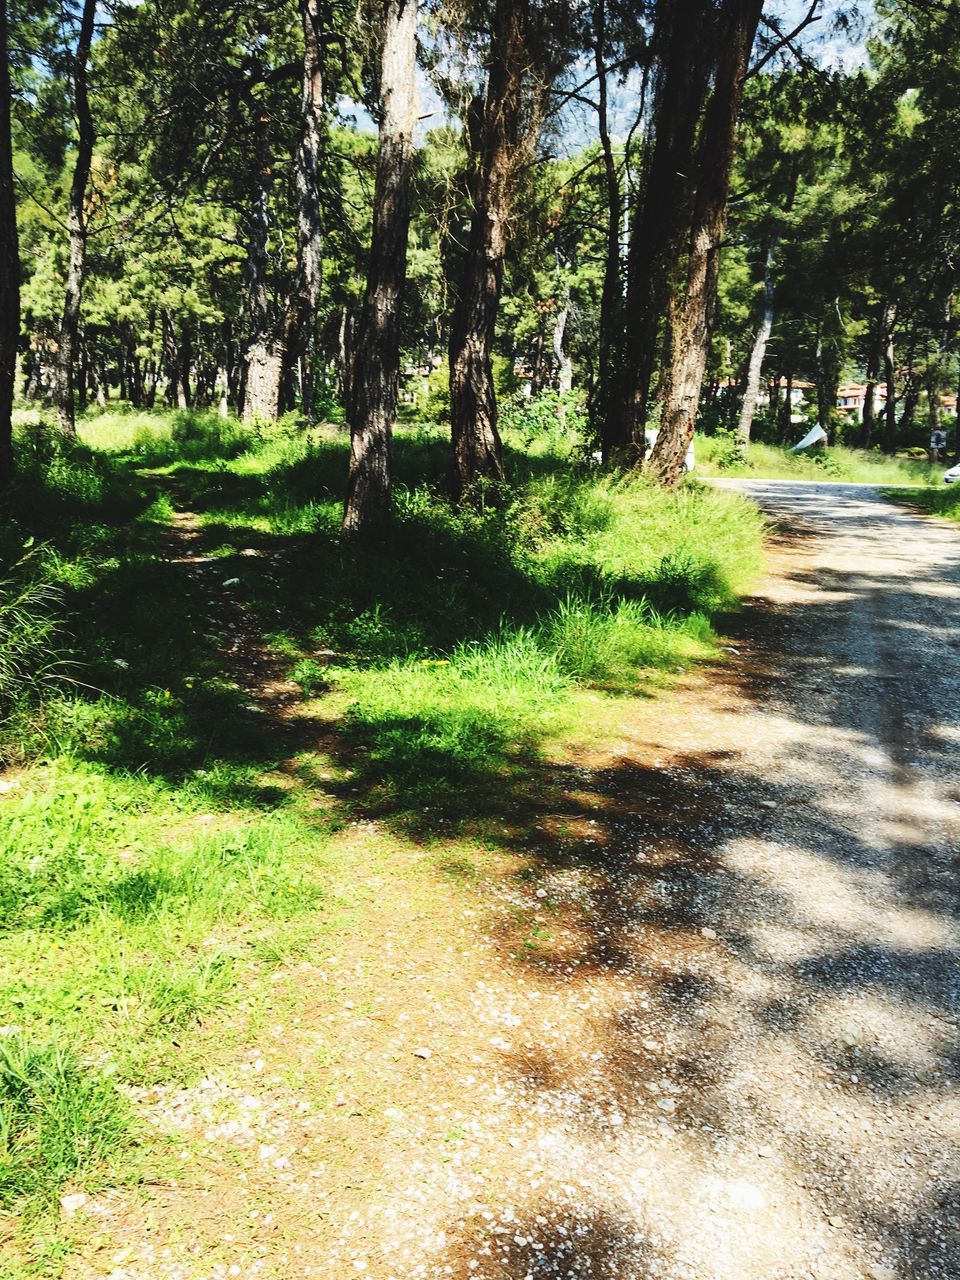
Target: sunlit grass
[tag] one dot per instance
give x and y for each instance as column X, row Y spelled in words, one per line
column 770, row 462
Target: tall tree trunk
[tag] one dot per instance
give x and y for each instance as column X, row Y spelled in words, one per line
column 184, row 399
column 304, row 302
column 868, row 419
column 684, row 40
column 890, row 374
column 265, row 349
column 9, row 264
column 564, row 363
column 759, row 349
column 691, row 319
column 611, row 295
column 373, row 386
column 77, row 224
column 477, row 452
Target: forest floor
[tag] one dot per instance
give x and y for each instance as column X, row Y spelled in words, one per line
column 682, row 1005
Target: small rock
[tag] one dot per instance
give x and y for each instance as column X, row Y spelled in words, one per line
column 231, row 582
column 769, row 804
column 708, row 932
column 667, row 1105
column 880, row 1271
column 421, row 1052
column 765, row 1153
column 70, row 1204
column 835, row 1220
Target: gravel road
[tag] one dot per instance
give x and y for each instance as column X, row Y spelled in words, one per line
column 742, row 1063
column 705, row 1024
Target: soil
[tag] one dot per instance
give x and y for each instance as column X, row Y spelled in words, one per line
column 694, row 1018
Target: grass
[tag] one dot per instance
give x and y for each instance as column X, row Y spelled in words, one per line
column 944, row 501
column 770, row 462
column 164, row 843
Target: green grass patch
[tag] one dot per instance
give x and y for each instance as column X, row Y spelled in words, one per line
column 944, row 501
column 715, row 456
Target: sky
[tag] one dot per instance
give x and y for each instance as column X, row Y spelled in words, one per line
column 833, row 43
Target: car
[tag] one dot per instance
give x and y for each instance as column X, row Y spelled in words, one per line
column 951, row 475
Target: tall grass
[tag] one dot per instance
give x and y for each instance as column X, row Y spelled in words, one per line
column 30, row 618
column 58, row 1122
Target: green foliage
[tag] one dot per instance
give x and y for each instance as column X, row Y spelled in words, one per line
column 58, row 1121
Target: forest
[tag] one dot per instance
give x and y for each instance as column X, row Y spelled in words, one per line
column 351, row 356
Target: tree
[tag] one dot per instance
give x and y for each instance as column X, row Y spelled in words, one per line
column 373, row 386
column 76, row 221
column 9, row 261
column 496, row 140
column 690, row 318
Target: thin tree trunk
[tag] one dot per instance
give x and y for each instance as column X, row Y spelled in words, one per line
column 611, row 295
column 373, row 385
column 564, row 363
column 759, row 349
column 9, row 264
column 477, row 451
column 868, row 419
column 265, row 350
column 304, row 302
column 889, row 373
column 690, row 321
column 77, row 224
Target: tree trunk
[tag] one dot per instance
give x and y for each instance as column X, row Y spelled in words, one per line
column 684, row 39
column 344, row 355
column 376, row 367
column 477, row 452
column 868, row 419
column 889, row 373
column 691, row 318
column 611, row 295
column 77, row 225
column 304, row 302
column 265, row 350
column 564, row 363
column 759, row 349
column 9, row 264
column 786, row 411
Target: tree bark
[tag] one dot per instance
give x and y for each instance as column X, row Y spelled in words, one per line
column 9, row 264
column 868, row 418
column 759, row 349
column 265, row 350
column 889, row 373
column 564, row 363
column 661, row 227
column 376, row 366
column 611, row 295
column 77, row 225
column 691, row 318
column 304, row 302
column 477, row 451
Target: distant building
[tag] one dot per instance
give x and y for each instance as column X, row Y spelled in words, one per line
column 798, row 391
column 852, row 398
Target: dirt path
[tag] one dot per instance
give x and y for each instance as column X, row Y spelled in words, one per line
column 697, row 1020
